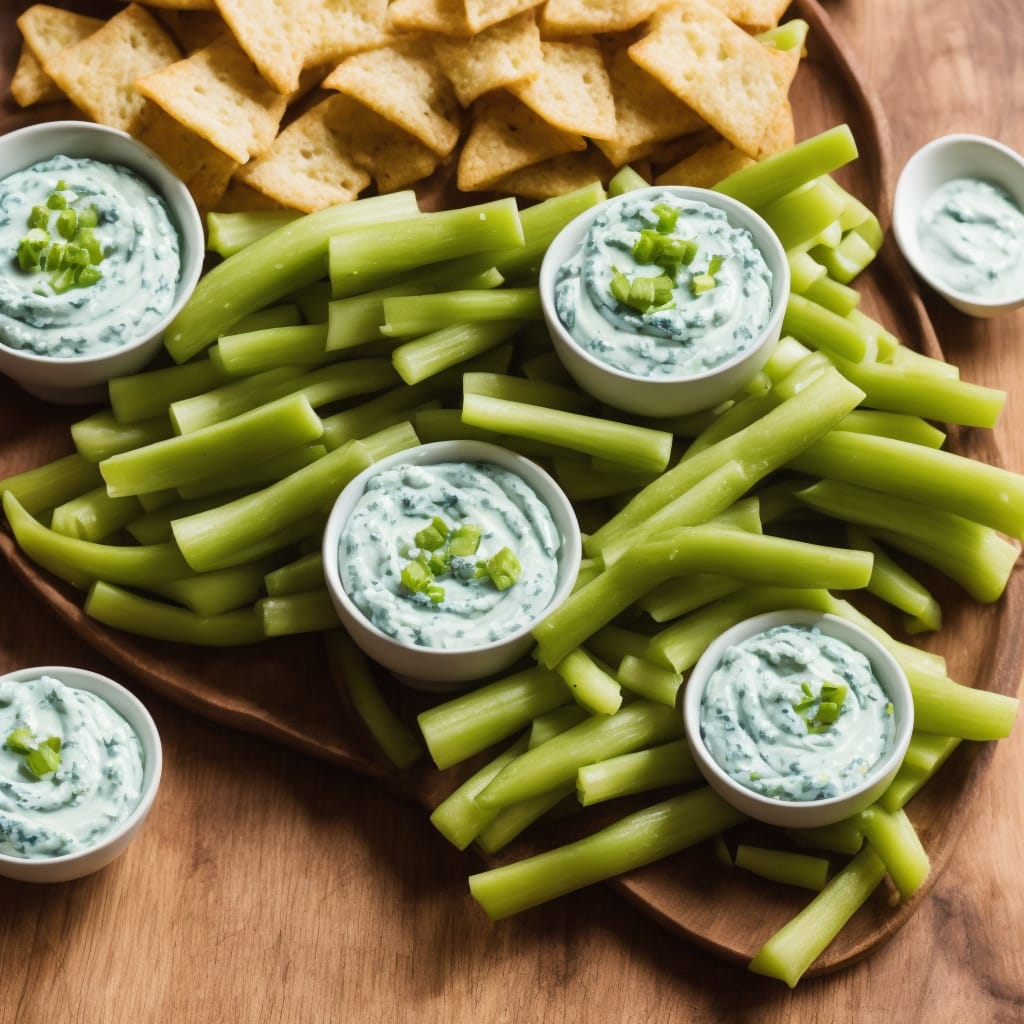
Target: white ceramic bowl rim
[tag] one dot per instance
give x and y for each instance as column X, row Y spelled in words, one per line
column 965, row 155
column 457, row 451
column 886, row 670
column 138, row 717
column 177, row 200
column 738, row 213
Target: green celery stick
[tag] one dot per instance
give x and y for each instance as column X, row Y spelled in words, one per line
column 213, row 593
column 53, row 483
column 948, row 708
column 99, row 436
column 245, row 478
column 626, row 179
column 250, row 437
column 925, row 755
column 800, row 216
column 227, row 233
column 591, row 687
column 265, row 349
column 838, row 298
column 281, row 262
column 784, row 866
column 122, row 609
column 410, row 315
column 231, row 398
column 675, row 598
column 551, row 723
column 631, row 842
column 897, row 425
column 846, row 836
column 822, row 329
column 94, row 515
column 286, row 315
column 804, row 271
column 142, row 396
column 895, row 840
column 434, row 353
column 511, row 821
column 650, row 681
column 307, row 612
column 668, row 764
column 793, row 948
column 519, row 389
column 295, row 577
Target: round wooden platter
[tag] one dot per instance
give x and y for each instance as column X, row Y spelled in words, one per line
column 281, row 689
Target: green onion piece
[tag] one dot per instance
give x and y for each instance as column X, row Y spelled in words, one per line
column 39, row 217
column 67, row 223
column 430, row 537
column 676, row 251
column 647, row 246
column 43, row 760
column 465, row 541
column 55, row 201
column 55, row 743
column 833, row 692
column 701, row 283
column 88, row 276
column 88, row 218
column 504, row 568
column 20, row 741
column 619, row 287
column 28, row 255
column 416, row 577
column 827, row 713
column 667, row 217
column 715, row 264
column 435, row 592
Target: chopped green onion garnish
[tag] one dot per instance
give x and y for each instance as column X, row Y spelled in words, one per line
column 20, row 741
column 88, row 276
column 465, row 541
column 55, row 201
column 827, row 713
column 435, row 592
column 39, row 217
column 67, row 223
column 715, row 264
column 429, row 538
column 701, row 283
column 89, row 217
column 43, row 760
column 416, row 577
column 647, row 247
column 504, row 568
column 667, row 217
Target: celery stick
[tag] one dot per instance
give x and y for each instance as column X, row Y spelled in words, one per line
column 313, row 300
column 78, row 560
column 409, row 315
column 787, row 36
column 680, row 644
column 285, row 315
column 551, row 723
column 213, row 593
column 770, row 441
column 822, row 329
column 613, row 643
column 786, row 356
column 305, row 573
column 896, row 841
column 801, row 215
column 459, row 818
column 100, row 436
column 674, row 598
column 846, row 836
column 245, row 478
column 511, row 821
column 581, row 482
column 518, row 389
column 696, row 549
column 123, row 610
column 926, row 395
column 847, row 258
column 668, row 764
column 893, row 584
column 142, row 396
column 230, row 232
column 645, row 679
column 547, row 367
column 53, row 483
column 948, row 708
column 591, row 687
column 366, row 257
column 973, row 555
column 626, row 179
column 838, row 298
column 631, row 842
column 773, row 177
column 231, row 399
column 926, row 754
column 288, row 258
column 739, row 415
column 250, row 438
column 308, row 612
column 258, row 350
column 433, row 353
column 795, row 946
column 783, row 866
column 939, row 479
column 896, row 425
column 94, row 515
column 471, row 722
column 916, row 362
column 804, row 271
column 636, row 725
column 638, row 447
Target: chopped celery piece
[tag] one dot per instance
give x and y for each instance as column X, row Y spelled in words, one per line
column 799, row 869
column 667, row 764
column 895, row 840
column 231, row 232
column 591, row 686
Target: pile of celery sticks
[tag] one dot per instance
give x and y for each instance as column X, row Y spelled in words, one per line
column 192, row 509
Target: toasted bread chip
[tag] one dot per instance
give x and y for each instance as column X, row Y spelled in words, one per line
column 30, row 84
column 203, row 168
column 445, row 16
column 558, row 175
column 481, row 14
column 753, row 15
column 219, row 94
column 98, row 74
column 404, row 83
column 192, row 30
column 183, row 5
column 239, row 198
column 572, row 91
column 734, row 82
column 578, row 17
column 501, row 55
column 507, row 136
column 646, row 113
column 781, row 132
column 45, row 31
column 707, row 167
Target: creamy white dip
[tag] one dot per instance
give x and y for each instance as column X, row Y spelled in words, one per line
column 96, row 786
column 757, row 720
column 377, row 543
column 694, row 330
column 140, row 268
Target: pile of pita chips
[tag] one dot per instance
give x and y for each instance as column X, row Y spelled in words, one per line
column 261, row 103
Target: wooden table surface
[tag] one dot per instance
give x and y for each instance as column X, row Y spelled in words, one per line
column 267, row 887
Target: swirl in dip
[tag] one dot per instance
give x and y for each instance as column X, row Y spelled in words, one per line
column 460, row 606
column 89, row 258
column 972, row 235
column 664, row 287
column 97, row 780
column 794, row 714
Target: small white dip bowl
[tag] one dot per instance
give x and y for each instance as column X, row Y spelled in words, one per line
column 74, row 380
column 801, row 813
column 940, row 161
column 450, row 668
column 113, row 844
column 665, row 396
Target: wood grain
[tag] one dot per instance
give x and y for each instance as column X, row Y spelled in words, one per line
column 270, row 888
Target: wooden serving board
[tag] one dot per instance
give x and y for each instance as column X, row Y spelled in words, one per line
column 281, row 689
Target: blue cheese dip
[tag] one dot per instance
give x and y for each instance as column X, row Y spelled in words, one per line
column 377, row 544
column 133, row 272
column 96, row 785
column 714, row 292
column 972, row 235
column 760, row 718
